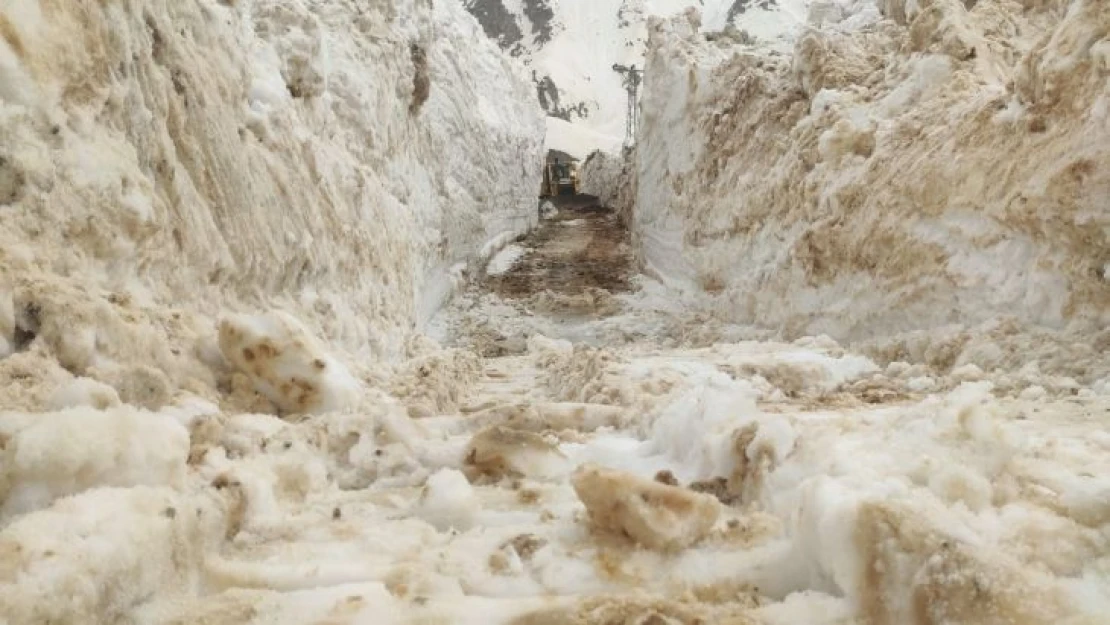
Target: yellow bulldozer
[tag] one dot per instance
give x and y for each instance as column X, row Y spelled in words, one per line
column 559, row 178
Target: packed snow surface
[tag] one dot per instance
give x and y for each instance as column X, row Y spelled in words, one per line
column 866, row 381
column 730, row 481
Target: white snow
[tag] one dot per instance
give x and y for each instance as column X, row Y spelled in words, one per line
column 504, row 260
column 448, row 502
column 286, row 364
column 95, row 556
column 53, row 455
column 312, row 173
column 578, row 139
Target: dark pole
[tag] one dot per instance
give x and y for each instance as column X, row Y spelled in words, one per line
column 632, row 79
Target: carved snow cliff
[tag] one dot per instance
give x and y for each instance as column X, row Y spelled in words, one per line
column 210, row 208
column 164, row 163
column 609, row 177
column 929, row 166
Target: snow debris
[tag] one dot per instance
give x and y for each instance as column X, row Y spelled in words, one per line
column 84, row 392
column 505, row 259
column 448, row 502
column 654, row 515
column 548, row 210
column 95, row 556
column 436, row 383
column 53, row 455
column 286, row 364
column 498, row 452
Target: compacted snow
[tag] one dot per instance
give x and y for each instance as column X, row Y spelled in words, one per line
column 836, row 355
column 858, row 186
column 336, row 159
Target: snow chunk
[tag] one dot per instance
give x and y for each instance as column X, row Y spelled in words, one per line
column 504, row 260
column 958, row 484
column 286, row 364
column 540, row 344
column 697, row 429
column 67, row 452
column 655, row 515
column 85, row 392
column 922, row 384
column 1033, row 393
column 100, row 554
column 548, row 210
column 500, row 452
column 448, row 501
column 968, row 373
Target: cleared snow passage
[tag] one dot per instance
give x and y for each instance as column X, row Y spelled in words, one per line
column 671, row 473
column 504, row 260
column 584, row 446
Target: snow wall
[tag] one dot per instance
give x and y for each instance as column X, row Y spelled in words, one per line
column 163, row 163
column 910, row 165
column 610, row 178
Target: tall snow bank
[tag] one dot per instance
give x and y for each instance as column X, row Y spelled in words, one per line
column 611, row 178
column 163, row 161
column 936, row 166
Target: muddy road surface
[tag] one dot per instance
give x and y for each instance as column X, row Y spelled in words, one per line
column 582, row 248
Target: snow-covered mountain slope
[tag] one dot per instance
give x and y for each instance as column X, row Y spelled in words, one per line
column 163, row 163
column 929, row 165
column 570, row 46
